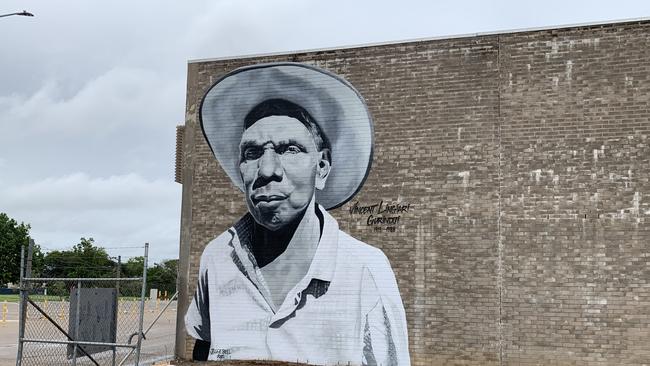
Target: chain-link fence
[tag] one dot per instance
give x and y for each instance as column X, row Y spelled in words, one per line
column 91, row 321
column 107, row 318
column 160, row 330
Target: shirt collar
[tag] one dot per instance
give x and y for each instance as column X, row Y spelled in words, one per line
column 323, row 264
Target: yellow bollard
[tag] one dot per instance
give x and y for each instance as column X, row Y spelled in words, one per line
column 4, row 313
column 40, row 316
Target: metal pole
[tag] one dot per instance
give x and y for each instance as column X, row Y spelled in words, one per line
column 77, row 323
column 80, row 343
column 21, row 314
column 30, row 253
column 144, row 289
column 87, row 279
column 23, row 13
column 117, row 305
column 25, row 288
column 119, row 272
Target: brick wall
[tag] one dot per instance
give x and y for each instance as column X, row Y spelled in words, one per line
column 576, row 196
column 526, row 159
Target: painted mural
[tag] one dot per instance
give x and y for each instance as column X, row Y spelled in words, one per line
column 284, row 282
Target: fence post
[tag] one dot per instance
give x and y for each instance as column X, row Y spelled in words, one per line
column 144, row 289
column 22, row 311
column 117, row 303
column 21, row 304
column 77, row 323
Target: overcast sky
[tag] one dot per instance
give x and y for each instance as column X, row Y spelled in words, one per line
column 91, row 92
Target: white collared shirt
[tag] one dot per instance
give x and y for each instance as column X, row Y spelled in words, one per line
column 347, row 309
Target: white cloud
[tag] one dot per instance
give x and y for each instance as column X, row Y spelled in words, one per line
column 119, row 122
column 116, row 211
column 120, row 98
column 79, row 191
column 98, row 88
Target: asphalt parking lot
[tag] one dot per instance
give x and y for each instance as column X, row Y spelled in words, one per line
column 158, row 345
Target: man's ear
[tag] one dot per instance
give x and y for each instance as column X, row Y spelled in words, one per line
column 323, row 168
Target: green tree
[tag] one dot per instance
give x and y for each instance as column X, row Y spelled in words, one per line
column 163, row 276
column 133, row 267
column 85, row 259
column 13, row 236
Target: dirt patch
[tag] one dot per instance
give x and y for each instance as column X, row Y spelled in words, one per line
column 237, row 363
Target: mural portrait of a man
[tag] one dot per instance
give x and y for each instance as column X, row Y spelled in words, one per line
column 284, row 282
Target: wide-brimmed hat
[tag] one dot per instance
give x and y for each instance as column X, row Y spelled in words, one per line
column 336, row 106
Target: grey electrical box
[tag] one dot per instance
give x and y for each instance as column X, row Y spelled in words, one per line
column 97, row 318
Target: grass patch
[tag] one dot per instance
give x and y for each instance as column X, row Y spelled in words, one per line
column 16, row 298
column 10, row 298
column 41, row 298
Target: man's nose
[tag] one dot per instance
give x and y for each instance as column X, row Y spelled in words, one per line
column 270, row 164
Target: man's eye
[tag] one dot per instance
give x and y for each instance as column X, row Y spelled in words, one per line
column 291, row 149
column 252, row 153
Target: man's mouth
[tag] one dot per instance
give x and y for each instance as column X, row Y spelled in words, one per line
column 264, row 198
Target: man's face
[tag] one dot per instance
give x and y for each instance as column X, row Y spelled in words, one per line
column 279, row 166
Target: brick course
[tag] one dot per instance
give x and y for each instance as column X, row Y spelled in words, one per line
column 526, row 159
